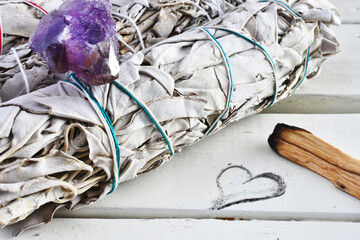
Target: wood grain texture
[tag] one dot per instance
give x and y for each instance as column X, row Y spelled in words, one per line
column 164, row 229
column 304, row 148
column 186, row 187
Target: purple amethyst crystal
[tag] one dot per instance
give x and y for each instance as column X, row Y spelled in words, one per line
column 80, row 36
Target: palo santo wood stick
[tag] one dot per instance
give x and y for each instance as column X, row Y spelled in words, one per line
column 302, row 147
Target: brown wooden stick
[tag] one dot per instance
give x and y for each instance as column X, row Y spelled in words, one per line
column 304, row 148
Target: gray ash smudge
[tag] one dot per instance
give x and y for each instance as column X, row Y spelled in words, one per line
column 220, row 202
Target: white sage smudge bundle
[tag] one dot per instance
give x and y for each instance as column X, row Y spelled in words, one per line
column 67, row 145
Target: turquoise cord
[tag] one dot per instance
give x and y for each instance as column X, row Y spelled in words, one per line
column 231, row 82
column 283, row 4
column 267, row 54
column 82, row 87
column 308, row 51
column 149, row 115
column 306, row 68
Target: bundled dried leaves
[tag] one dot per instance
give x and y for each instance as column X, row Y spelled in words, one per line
column 56, row 147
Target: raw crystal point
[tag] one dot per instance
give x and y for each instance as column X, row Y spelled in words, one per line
column 80, row 36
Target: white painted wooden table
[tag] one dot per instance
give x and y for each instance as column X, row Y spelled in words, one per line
column 175, row 201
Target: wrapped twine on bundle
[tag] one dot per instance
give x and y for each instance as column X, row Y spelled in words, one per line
column 55, row 153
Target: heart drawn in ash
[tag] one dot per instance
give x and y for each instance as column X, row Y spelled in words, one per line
column 249, row 189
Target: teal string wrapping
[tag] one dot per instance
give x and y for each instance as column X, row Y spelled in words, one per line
column 267, row 54
column 82, row 87
column 306, row 68
column 231, row 81
column 309, row 48
column 283, row 4
column 148, row 113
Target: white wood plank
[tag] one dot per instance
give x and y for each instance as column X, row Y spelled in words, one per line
column 85, row 229
column 349, row 10
column 337, row 88
column 314, row 103
column 186, row 186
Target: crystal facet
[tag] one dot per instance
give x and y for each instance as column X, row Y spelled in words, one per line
column 80, row 36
